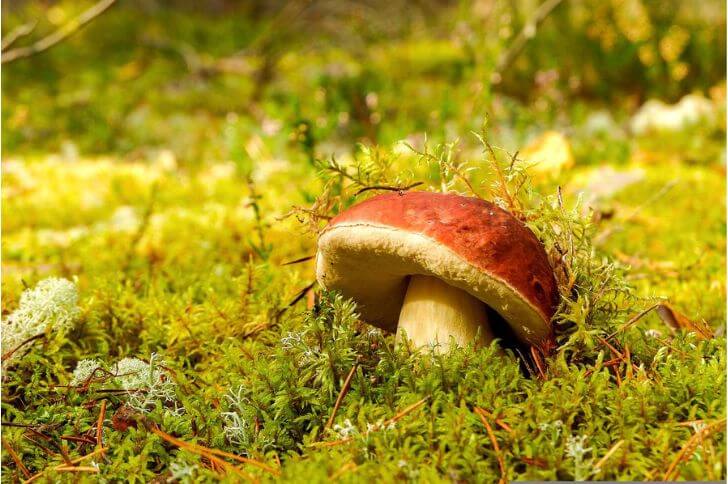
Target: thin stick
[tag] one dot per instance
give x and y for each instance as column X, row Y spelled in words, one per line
column 402, row 414
column 519, row 42
column 73, row 438
column 16, row 459
column 17, row 33
column 388, row 188
column 606, row 457
column 690, row 446
column 539, row 365
column 500, row 422
column 59, row 35
column 342, row 394
column 301, row 294
column 208, row 452
column 349, row 466
column 77, row 469
column 298, row 261
column 491, row 435
column 74, row 461
column 633, row 320
column 375, row 428
column 600, row 238
column 23, row 343
column 100, row 426
column 616, row 352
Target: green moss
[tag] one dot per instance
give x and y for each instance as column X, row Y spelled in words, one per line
column 178, row 241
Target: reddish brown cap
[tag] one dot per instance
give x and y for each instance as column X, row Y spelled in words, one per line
column 368, row 251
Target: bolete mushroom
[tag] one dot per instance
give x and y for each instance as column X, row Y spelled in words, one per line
column 433, row 264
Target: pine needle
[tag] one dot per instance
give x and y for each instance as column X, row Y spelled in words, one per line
column 491, row 435
column 342, row 394
column 690, row 447
column 211, row 453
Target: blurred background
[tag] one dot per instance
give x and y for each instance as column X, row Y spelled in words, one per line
column 200, row 78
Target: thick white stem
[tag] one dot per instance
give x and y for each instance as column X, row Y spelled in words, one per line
column 434, row 311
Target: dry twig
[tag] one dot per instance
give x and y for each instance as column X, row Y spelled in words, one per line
column 499, row 456
column 16, row 459
column 70, row 466
column 375, row 428
column 603, row 460
column 690, row 446
column 212, row 453
column 342, row 394
column 56, row 37
column 100, row 426
column 528, row 32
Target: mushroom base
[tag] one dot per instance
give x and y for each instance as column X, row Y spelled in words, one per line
column 436, row 313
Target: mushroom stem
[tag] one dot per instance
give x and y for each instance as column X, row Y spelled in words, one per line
column 433, row 311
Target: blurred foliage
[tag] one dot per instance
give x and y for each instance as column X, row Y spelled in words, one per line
column 146, row 72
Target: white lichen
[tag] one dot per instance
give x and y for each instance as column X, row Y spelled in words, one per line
column 653, row 333
column 575, row 448
column 182, row 472
column 237, row 428
column 345, row 430
column 84, row 369
column 50, row 306
column 145, row 383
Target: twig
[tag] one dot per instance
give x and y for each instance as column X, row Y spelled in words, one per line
column 606, row 457
column 300, row 295
column 527, row 32
column 375, row 428
column 59, row 35
column 633, row 320
column 211, row 453
column 500, row 422
column 16, row 459
column 690, row 446
column 389, row 188
column 619, row 355
column 74, row 438
column 491, row 435
column 342, row 394
column 12, row 351
column 17, row 33
column 74, row 461
column 100, row 426
column 77, row 469
column 539, row 364
column 298, row 261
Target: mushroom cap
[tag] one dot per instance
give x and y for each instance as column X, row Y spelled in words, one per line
column 368, row 251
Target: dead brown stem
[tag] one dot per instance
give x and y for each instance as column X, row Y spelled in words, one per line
column 342, row 394
column 16, row 459
column 496, row 448
column 690, row 446
column 211, row 453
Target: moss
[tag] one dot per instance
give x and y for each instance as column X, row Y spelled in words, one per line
column 181, row 242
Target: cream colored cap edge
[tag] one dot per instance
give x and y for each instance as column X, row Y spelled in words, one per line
column 430, row 257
